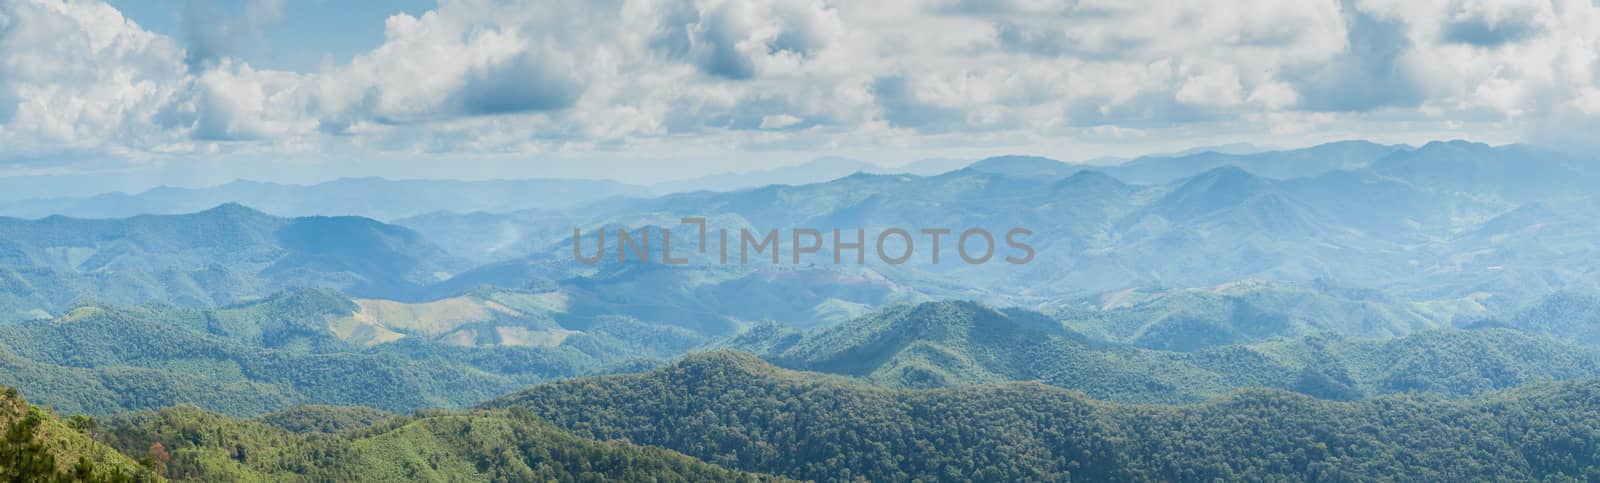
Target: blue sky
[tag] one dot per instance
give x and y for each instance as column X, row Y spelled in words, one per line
column 286, row 35
column 197, row 91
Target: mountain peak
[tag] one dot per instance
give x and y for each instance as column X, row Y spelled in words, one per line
column 1090, row 180
column 1456, row 144
column 1017, row 165
column 1224, row 179
column 1212, row 191
column 722, row 363
column 233, row 210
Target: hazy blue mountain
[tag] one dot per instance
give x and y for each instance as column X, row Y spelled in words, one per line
column 1094, row 233
column 1095, row 236
column 1024, row 166
column 370, row 197
column 814, row 171
column 1517, row 173
column 932, row 166
column 1230, row 148
column 1389, row 208
column 1523, row 254
column 485, row 238
column 1253, row 311
column 1284, row 164
column 1573, row 317
column 216, row 256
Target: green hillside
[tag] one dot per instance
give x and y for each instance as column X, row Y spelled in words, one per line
column 1567, row 316
column 315, row 347
column 1252, row 311
column 735, row 410
column 938, row 344
column 510, row 445
column 37, row 446
column 100, row 360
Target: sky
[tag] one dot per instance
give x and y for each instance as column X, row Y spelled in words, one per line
column 199, row 91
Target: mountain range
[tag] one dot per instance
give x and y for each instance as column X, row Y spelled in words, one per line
column 377, row 198
column 941, row 344
column 214, row 257
column 1347, row 311
column 740, row 412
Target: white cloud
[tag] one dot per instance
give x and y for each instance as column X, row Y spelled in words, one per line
column 1216, row 87
column 779, row 121
column 487, row 77
column 78, row 73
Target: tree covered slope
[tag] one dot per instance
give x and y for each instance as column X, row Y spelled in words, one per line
column 510, row 445
column 35, row 445
column 736, row 410
column 938, row 344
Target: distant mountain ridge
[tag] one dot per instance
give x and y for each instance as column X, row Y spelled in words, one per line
column 212, row 257
column 1093, row 233
column 370, row 197
column 814, row 171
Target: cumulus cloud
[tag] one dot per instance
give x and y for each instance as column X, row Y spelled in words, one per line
column 733, row 39
column 1370, row 71
column 493, row 76
column 79, row 73
column 1490, row 24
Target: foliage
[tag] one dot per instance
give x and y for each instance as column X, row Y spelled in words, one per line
column 735, row 410
column 35, row 446
column 510, row 445
column 937, row 344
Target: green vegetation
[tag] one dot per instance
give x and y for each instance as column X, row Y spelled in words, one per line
column 1567, row 316
column 508, row 445
column 738, row 411
column 37, row 446
column 318, row 418
column 938, row 344
column 100, row 361
column 1254, row 311
column 271, row 354
column 1344, row 312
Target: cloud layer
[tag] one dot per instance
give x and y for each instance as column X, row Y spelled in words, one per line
column 488, row 77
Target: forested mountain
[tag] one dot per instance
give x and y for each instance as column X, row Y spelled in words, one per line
column 188, row 444
column 432, row 446
column 313, row 347
column 740, row 412
column 1571, row 317
column 35, row 445
column 1346, row 311
column 213, row 257
column 369, row 197
column 1251, row 310
column 941, row 344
